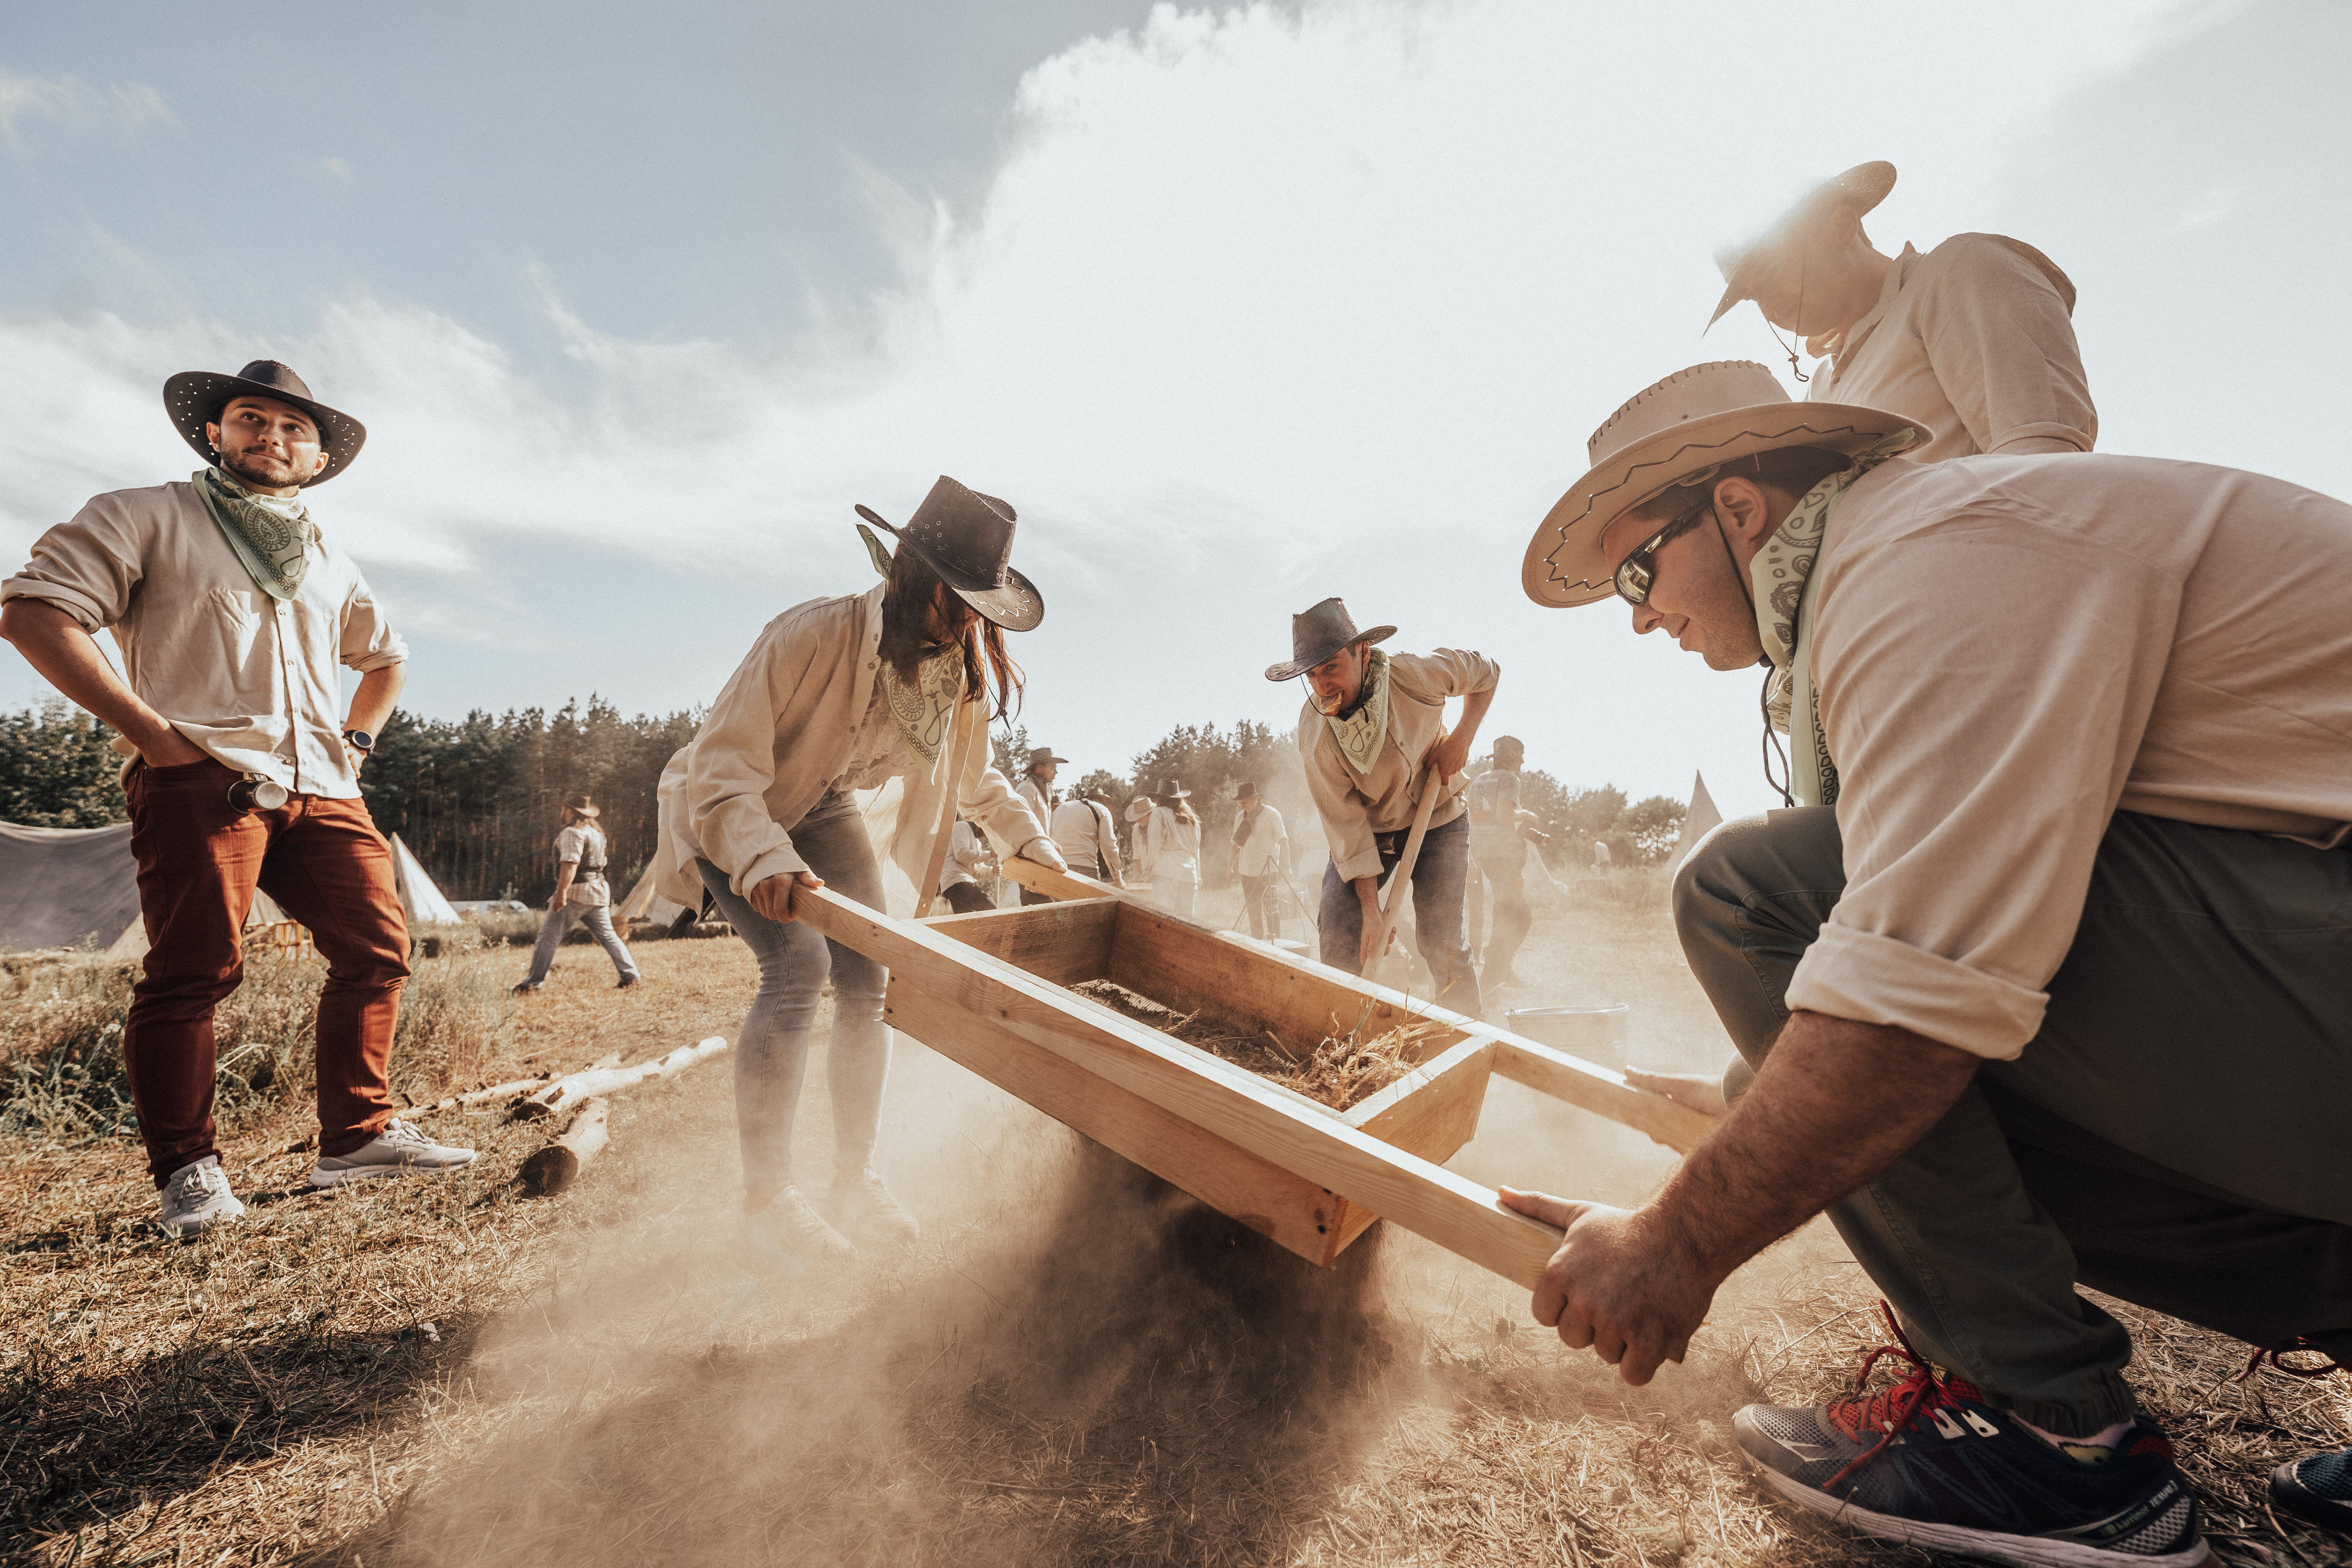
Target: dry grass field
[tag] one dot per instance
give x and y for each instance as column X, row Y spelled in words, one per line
column 1077, row 1366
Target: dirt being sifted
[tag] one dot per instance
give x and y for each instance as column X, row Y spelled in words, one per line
column 1342, row 1071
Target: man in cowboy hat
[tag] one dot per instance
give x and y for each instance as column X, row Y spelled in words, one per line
column 1973, row 342
column 1087, row 837
column 1500, row 833
column 1372, row 734
column 581, row 894
column 1036, row 790
column 2046, row 982
column 233, row 612
column 1261, row 857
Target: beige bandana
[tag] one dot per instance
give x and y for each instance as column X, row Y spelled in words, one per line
column 925, row 710
column 1779, row 577
column 1359, row 738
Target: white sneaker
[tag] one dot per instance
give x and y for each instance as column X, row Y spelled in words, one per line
column 862, row 1207
column 790, row 1226
column 399, row 1150
column 197, row 1197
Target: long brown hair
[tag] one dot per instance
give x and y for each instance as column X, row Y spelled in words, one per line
column 906, row 634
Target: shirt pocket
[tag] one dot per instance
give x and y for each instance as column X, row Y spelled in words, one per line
column 236, row 615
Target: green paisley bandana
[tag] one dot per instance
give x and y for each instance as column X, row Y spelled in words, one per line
column 270, row 534
column 924, row 711
column 1359, row 737
column 1780, row 576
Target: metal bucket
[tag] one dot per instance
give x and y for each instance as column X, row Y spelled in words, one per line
column 1597, row 1033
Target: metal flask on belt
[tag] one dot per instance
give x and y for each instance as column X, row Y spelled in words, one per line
column 254, row 793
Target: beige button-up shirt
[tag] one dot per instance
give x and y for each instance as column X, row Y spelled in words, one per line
column 2010, row 649
column 251, row 679
column 1082, row 830
column 1975, row 339
column 785, row 729
column 1355, row 806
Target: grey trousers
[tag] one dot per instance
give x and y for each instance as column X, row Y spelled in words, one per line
column 2178, row 1134
column 598, row 918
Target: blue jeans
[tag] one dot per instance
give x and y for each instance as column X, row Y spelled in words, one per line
column 599, row 921
column 771, row 1054
column 1440, row 878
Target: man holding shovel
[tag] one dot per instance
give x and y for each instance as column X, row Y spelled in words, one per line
column 1374, row 737
column 2046, row 980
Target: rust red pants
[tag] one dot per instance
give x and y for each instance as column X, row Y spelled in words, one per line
column 199, row 862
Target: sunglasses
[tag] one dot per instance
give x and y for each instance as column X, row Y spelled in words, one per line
column 1634, row 573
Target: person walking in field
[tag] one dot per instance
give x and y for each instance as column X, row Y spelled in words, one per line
column 1372, row 734
column 1088, row 838
column 968, row 859
column 840, row 695
column 1168, row 839
column 1260, row 856
column 1500, row 832
column 581, row 894
column 236, row 617
column 2045, row 982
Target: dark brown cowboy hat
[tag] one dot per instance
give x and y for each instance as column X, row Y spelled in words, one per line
column 1859, row 189
column 195, row 398
column 1173, row 789
column 581, row 805
column 967, row 538
column 1318, row 633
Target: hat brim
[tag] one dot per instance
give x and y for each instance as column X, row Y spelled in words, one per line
column 1565, row 565
column 1015, row 604
column 1861, row 187
column 194, row 398
column 1298, row 667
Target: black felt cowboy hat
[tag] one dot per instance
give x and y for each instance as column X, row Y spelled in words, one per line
column 1173, row 789
column 967, row 538
column 1317, row 633
column 1858, row 189
column 195, row 398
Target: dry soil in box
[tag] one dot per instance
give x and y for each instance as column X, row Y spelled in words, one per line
column 1340, row 1071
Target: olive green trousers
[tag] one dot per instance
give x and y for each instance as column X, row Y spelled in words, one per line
column 2178, row 1134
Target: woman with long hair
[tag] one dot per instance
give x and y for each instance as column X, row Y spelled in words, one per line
column 840, row 695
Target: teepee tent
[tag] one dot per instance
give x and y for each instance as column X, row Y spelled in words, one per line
column 1698, row 822
column 424, row 903
column 66, row 887
column 644, row 904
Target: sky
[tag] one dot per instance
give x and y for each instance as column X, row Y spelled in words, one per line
column 1239, row 306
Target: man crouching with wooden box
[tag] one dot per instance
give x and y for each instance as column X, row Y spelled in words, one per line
column 1373, row 737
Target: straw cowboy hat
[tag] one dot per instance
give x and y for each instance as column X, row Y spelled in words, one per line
column 1040, row 755
column 1706, row 415
column 1859, row 189
column 1318, row 632
column 967, row 538
column 195, row 398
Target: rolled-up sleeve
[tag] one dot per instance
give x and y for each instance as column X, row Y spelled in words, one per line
column 88, row 566
column 1976, row 783
column 368, row 642
column 1443, row 672
column 2001, row 342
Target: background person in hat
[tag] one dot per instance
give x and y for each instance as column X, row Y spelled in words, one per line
column 839, row 695
column 1973, row 342
column 236, row 617
column 1371, row 733
column 1168, row 841
column 1036, row 790
column 2047, row 980
column 1500, row 832
column 581, row 894
column 1261, row 855
column 1088, row 838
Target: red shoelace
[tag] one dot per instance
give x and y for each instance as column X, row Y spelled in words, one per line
column 1887, row 1411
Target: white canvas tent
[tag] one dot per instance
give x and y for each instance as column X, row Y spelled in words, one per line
column 1701, row 819
column 644, row 904
column 68, row 886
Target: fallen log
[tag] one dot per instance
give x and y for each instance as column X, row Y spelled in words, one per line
column 566, row 1093
column 550, row 1170
column 502, row 1090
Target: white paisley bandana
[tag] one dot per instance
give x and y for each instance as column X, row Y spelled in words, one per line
column 271, row 534
column 1359, row 737
column 924, row 711
column 1784, row 619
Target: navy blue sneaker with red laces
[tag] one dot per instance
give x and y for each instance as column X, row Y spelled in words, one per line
column 2317, row 1486
column 1928, row 1461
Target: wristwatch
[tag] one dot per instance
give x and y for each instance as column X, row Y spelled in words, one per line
column 359, row 740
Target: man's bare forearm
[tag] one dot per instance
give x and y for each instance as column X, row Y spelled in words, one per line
column 1835, row 1104
column 68, row 659
column 373, row 701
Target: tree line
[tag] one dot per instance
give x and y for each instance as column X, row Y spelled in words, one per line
column 477, row 799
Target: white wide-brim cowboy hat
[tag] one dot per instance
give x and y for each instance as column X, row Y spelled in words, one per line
column 1858, row 189
column 1694, row 419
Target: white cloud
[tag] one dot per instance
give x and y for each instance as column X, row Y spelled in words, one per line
column 120, row 110
column 1262, row 306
